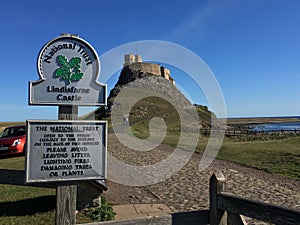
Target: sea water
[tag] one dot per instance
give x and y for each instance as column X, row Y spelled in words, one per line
column 287, row 126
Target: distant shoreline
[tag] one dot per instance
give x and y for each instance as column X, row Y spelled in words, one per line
column 229, row 121
column 260, row 120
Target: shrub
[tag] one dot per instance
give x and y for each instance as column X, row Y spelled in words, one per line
column 104, row 212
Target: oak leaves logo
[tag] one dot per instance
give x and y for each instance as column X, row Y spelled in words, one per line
column 69, row 70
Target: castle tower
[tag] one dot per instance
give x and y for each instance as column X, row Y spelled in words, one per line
column 131, row 58
column 135, row 63
column 165, row 72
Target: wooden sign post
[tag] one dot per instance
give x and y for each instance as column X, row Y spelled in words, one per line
column 66, row 150
column 66, row 194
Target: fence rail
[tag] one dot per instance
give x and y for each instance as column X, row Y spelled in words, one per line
column 258, row 210
column 250, row 134
column 225, row 209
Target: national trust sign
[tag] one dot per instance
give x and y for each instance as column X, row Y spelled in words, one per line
column 61, row 150
column 69, row 68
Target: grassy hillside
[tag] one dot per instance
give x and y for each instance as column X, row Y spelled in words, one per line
column 149, row 108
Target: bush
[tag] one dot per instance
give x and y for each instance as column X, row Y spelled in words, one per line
column 101, row 213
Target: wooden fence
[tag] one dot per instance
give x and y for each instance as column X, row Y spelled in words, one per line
column 251, row 134
column 225, row 209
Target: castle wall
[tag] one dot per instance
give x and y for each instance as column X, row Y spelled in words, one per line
column 146, row 68
column 135, row 63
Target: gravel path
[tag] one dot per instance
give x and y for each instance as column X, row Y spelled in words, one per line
column 188, row 189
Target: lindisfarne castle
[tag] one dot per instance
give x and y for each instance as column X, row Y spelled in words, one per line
column 135, row 63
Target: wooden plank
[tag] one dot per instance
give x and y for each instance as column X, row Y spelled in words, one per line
column 258, row 210
column 216, row 186
column 191, row 218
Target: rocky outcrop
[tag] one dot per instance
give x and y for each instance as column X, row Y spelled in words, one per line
column 139, row 81
column 146, row 81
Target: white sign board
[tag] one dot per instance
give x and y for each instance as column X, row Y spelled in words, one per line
column 68, row 68
column 66, row 150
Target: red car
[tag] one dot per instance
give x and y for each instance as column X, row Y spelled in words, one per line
column 12, row 140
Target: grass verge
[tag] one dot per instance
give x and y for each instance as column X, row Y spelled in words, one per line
column 23, row 205
column 280, row 156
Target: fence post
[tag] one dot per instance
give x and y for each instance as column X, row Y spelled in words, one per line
column 216, row 186
column 66, row 194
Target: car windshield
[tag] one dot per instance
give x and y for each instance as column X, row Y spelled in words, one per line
column 13, row 132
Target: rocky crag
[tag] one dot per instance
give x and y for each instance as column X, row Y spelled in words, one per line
column 156, row 94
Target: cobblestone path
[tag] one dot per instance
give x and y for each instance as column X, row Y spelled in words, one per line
column 188, row 189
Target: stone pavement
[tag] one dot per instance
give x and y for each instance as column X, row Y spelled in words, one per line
column 131, row 211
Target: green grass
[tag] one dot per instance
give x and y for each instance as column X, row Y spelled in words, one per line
column 280, row 156
column 26, row 205
column 14, row 163
column 23, row 205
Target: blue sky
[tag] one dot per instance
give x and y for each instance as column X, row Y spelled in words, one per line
column 252, row 47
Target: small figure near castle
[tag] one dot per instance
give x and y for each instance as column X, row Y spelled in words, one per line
column 126, row 119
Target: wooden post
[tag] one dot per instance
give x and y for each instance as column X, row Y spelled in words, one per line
column 66, row 194
column 216, row 186
column 66, row 205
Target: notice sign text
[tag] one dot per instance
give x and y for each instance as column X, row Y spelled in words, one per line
column 65, row 150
